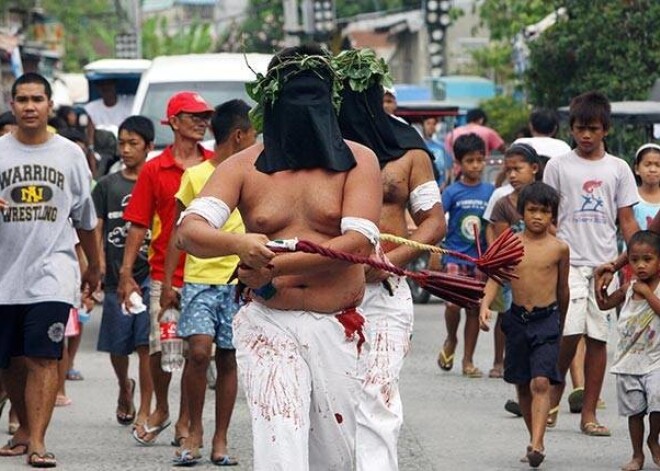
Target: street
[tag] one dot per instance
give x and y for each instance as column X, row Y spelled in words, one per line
column 452, row 423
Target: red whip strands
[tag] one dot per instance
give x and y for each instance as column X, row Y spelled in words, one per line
column 501, row 257
column 461, row 290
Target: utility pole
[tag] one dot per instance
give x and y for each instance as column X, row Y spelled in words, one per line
column 291, row 23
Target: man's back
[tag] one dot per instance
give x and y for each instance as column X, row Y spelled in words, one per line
column 548, row 146
column 489, row 136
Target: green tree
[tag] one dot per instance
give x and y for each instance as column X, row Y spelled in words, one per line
column 261, row 30
column 87, row 24
column 262, row 27
column 507, row 115
column 611, row 46
column 158, row 39
column 504, row 20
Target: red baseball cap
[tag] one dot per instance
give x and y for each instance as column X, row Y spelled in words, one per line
column 186, row 102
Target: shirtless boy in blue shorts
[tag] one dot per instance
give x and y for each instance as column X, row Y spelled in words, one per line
column 533, row 325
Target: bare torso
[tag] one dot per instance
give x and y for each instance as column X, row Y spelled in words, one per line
column 396, row 192
column 538, row 272
column 306, row 204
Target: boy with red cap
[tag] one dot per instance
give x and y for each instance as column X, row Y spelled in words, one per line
column 188, row 116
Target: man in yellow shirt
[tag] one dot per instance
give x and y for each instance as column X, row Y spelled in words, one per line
column 208, row 301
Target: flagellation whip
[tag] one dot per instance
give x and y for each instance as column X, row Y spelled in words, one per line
column 461, row 290
column 497, row 262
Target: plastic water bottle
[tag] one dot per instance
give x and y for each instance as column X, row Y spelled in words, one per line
column 172, row 346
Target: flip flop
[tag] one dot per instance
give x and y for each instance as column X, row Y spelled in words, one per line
column 472, row 372
column 127, row 418
column 177, row 441
column 42, row 460
column 513, row 407
column 535, row 458
column 593, row 429
column 63, row 401
column 186, row 457
column 74, row 375
column 224, row 460
column 10, row 449
column 575, row 400
column 445, row 362
column 155, row 431
column 524, row 459
column 552, row 417
column 495, row 373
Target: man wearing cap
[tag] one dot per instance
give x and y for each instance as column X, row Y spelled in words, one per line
column 188, row 116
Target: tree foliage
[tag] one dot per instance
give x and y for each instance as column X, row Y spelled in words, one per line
column 262, row 27
column 507, row 115
column 260, row 30
column 158, row 39
column 614, row 48
column 506, row 18
column 87, row 23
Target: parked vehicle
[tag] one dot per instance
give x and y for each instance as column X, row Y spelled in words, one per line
column 216, row 77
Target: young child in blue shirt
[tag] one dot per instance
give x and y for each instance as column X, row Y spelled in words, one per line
column 464, row 202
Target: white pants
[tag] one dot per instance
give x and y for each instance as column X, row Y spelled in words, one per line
column 302, row 377
column 380, row 412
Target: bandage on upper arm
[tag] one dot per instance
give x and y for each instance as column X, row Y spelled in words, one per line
column 424, row 197
column 363, row 226
column 212, row 209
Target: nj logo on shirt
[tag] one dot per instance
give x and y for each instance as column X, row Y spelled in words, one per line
column 31, row 194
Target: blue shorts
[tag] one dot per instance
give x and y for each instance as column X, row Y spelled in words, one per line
column 531, row 349
column 121, row 334
column 32, row 330
column 208, row 310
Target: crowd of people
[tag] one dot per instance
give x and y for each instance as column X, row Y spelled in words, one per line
column 318, row 343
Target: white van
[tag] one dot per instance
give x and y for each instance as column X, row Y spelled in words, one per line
column 217, row 77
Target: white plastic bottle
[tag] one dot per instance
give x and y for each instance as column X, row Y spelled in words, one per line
column 172, row 346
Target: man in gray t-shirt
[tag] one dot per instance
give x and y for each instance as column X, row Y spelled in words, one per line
column 44, row 195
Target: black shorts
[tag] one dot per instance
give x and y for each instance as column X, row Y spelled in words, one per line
column 532, row 344
column 32, row 330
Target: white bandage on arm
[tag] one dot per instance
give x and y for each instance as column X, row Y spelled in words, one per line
column 214, row 210
column 424, row 197
column 363, row 226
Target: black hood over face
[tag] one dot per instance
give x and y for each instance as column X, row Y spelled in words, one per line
column 301, row 129
column 363, row 120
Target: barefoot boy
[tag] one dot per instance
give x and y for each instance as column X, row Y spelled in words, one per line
column 534, row 323
column 637, row 359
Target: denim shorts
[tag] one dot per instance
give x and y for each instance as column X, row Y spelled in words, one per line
column 121, row 334
column 32, row 330
column 532, row 344
column 208, row 310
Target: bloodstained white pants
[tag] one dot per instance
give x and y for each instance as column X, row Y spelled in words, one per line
column 302, row 375
column 380, row 412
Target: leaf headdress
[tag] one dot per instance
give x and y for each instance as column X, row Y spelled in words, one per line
column 265, row 89
column 360, row 69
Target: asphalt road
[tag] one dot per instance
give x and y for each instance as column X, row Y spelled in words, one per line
column 452, row 423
